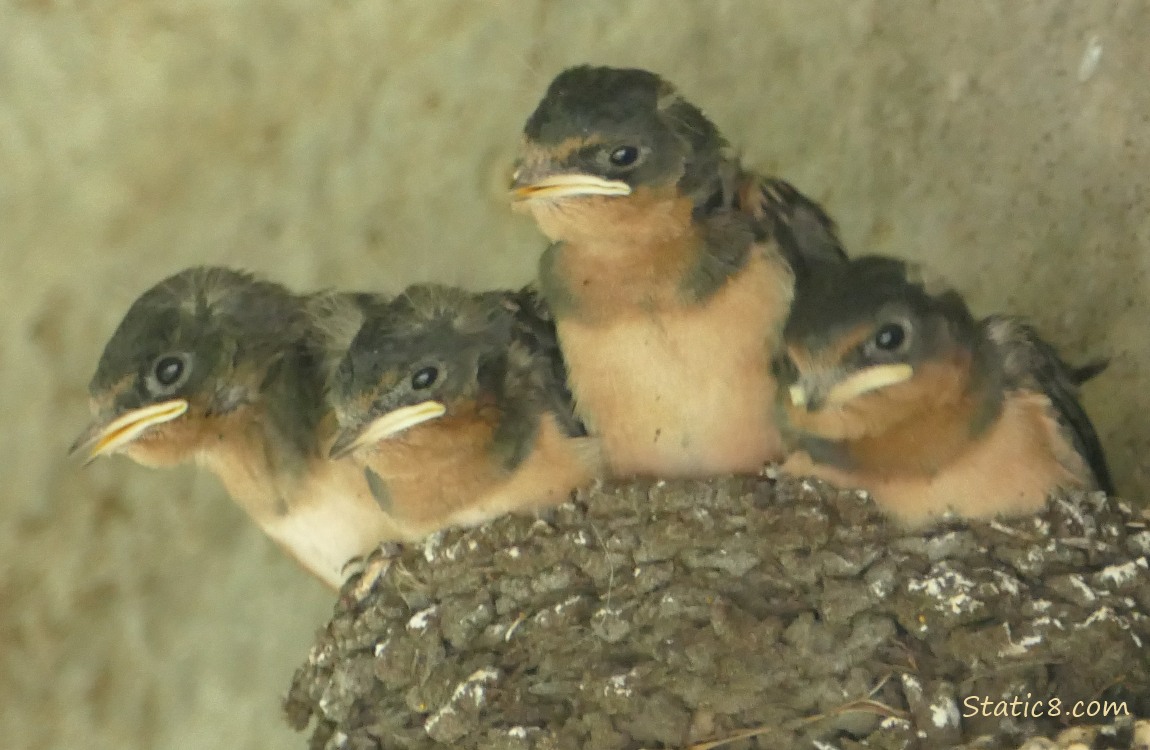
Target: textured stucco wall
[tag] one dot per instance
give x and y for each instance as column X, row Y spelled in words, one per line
column 368, row 143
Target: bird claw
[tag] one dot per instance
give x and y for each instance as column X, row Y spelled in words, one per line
column 368, row 569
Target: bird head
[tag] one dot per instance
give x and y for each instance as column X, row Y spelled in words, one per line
column 430, row 354
column 603, row 134
column 867, row 345
column 194, row 347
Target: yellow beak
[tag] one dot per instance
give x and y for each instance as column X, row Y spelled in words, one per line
column 108, row 438
column 853, row 386
column 568, row 185
column 383, row 427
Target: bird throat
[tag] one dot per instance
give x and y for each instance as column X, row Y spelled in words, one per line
column 623, row 256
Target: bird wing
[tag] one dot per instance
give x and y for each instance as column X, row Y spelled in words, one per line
column 806, row 235
column 533, row 332
column 1032, row 364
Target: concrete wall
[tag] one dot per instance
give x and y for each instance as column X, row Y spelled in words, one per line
column 368, row 143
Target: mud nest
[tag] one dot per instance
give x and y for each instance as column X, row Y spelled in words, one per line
column 784, row 612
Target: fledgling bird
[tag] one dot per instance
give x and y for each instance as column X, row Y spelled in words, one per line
column 219, row 368
column 670, row 274
column 890, row 385
column 454, row 403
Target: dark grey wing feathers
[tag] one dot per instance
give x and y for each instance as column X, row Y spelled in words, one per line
column 806, row 235
column 533, row 331
column 1031, row 363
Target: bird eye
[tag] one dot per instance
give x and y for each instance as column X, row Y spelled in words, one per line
column 890, row 337
column 169, row 372
column 424, row 378
column 624, row 156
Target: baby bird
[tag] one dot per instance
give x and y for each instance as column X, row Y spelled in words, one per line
column 895, row 388
column 454, row 405
column 671, row 272
column 222, row 369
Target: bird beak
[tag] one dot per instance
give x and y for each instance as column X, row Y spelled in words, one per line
column 809, row 394
column 104, row 438
column 565, row 186
column 393, row 422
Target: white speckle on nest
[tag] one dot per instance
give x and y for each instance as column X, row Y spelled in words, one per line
column 951, row 584
column 881, row 588
column 513, row 627
column 1141, row 540
column 1124, row 573
column 381, row 647
column 513, row 553
column 519, row 733
column 472, row 687
column 1006, row 582
column 582, row 539
column 820, row 745
column 1072, row 510
column 421, row 618
column 472, row 545
column 1102, row 614
column 1087, row 592
column 894, row 722
column 962, row 602
column 1046, row 622
column 667, row 599
column 617, row 685
column 431, row 545
column 944, row 714
column 1034, row 556
column 340, row 739
column 437, row 717
column 1023, row 645
column 1002, row 528
column 911, row 686
column 605, row 612
column 1090, row 59
column 1041, row 605
column 1041, row 526
column 566, row 603
column 807, row 486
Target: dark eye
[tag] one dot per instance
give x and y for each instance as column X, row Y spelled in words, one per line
column 890, row 337
column 424, row 378
column 169, row 372
column 624, row 156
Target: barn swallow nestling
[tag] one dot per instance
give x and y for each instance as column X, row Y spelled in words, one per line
column 893, row 387
column 671, row 272
column 454, row 404
column 217, row 367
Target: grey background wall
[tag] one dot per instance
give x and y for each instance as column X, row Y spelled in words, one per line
column 368, row 144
